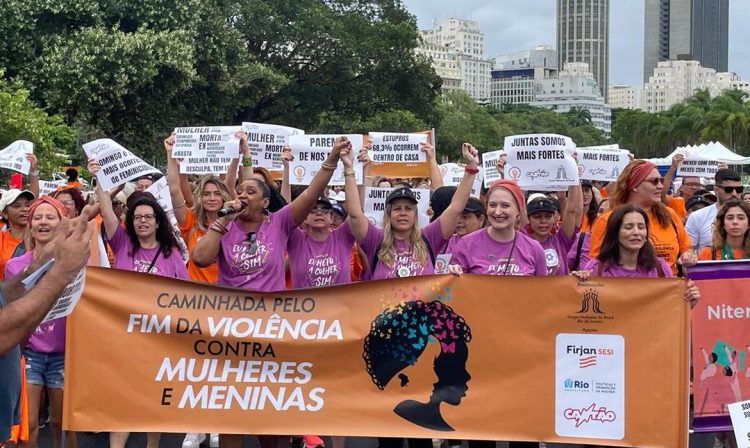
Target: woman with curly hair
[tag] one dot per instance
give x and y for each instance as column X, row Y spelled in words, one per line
column 731, row 239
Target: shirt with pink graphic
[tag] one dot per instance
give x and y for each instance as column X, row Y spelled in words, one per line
column 140, row 260
column 256, row 265
column 321, row 263
column 478, row 253
column 404, row 264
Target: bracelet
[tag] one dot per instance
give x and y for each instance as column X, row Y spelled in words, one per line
column 247, row 161
column 180, row 206
column 471, row 170
column 217, row 230
column 219, row 225
column 327, row 166
column 34, row 173
column 348, row 173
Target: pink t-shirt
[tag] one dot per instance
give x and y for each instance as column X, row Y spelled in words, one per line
column 48, row 337
column 404, row 264
column 585, row 247
column 556, row 248
column 450, row 246
column 478, row 253
column 258, row 267
column 613, row 270
column 321, row 263
column 166, row 266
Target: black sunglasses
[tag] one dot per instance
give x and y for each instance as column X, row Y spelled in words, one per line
column 729, row 190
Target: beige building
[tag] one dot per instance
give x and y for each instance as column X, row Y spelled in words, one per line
column 623, row 97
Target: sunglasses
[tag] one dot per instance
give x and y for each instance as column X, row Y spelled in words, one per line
column 320, row 211
column 729, row 190
column 655, row 180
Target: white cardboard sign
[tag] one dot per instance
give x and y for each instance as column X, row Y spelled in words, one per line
column 397, row 147
column 118, row 165
column 602, row 163
column 375, row 204
column 311, row 150
column 13, row 157
column 541, row 161
column 266, row 141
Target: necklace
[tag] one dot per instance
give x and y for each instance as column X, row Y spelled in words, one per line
column 510, row 254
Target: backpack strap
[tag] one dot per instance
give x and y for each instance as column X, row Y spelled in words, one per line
column 19, row 250
column 577, row 259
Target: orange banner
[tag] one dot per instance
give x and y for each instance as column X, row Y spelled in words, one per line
column 470, row 357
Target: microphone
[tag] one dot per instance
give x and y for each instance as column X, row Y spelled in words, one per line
column 229, row 210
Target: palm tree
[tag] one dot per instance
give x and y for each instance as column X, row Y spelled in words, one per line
column 727, row 120
column 578, row 116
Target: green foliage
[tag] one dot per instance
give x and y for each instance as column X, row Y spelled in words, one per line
column 21, row 119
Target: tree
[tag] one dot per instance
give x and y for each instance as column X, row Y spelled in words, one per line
column 578, row 116
column 462, row 120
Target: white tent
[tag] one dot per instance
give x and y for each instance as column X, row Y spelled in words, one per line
column 707, row 151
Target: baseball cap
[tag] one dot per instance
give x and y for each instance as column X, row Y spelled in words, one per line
column 696, row 200
column 11, row 195
column 339, row 210
column 542, row 205
column 474, row 205
column 324, row 200
column 401, row 193
column 586, row 183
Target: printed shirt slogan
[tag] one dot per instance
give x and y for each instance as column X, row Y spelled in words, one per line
column 209, row 142
column 375, row 204
column 489, row 166
column 541, row 161
column 400, row 148
column 118, row 165
column 266, row 142
column 602, row 163
column 310, row 151
column 453, row 173
column 14, row 156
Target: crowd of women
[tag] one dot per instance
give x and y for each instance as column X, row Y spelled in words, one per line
column 265, row 242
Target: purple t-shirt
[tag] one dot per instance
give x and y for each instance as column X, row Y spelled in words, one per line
column 478, row 253
column 48, row 337
column 450, row 246
column 259, row 266
column 585, row 247
column 166, row 266
column 404, row 264
column 613, row 270
column 556, row 248
column 321, row 263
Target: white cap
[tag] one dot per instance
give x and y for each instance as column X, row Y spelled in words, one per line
column 536, row 196
column 11, row 195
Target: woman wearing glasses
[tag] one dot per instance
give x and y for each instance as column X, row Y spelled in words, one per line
column 640, row 184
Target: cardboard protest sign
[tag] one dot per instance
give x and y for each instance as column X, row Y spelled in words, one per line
column 13, row 157
column 603, row 163
column 118, row 165
column 206, row 142
column 541, row 161
column 205, row 165
column 395, row 147
column 311, row 150
column 453, row 173
column 489, row 166
column 49, row 187
column 696, row 164
column 424, row 357
column 375, row 204
column 266, row 142
column 403, row 168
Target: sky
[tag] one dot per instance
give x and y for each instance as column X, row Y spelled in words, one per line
column 513, row 25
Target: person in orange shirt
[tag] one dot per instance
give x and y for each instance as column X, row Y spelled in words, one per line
column 73, row 181
column 731, row 236
column 208, row 198
column 14, row 206
column 640, row 184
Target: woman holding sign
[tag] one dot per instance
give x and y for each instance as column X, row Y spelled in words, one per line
column 640, row 184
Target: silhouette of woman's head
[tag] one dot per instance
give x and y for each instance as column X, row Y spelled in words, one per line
column 399, row 335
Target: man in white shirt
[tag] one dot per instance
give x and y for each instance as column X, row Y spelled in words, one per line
column 699, row 225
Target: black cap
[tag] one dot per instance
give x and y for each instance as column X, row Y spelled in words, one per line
column 542, row 205
column 587, row 183
column 696, row 200
column 474, row 205
column 339, row 210
column 324, row 200
column 401, row 193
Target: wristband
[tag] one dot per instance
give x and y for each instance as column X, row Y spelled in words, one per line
column 34, row 173
column 247, row 161
column 327, row 166
column 349, row 173
column 471, row 170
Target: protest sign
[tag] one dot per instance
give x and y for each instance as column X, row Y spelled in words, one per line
column 541, row 161
column 266, row 141
column 375, row 204
column 49, row 187
column 69, row 298
column 209, row 142
column 408, row 357
column 403, row 168
column 395, row 147
column 489, row 166
column 118, row 165
column 453, row 173
column 205, row 165
column 13, row 157
column 602, row 163
column 720, row 341
column 740, row 414
column 310, row 151
column 694, row 166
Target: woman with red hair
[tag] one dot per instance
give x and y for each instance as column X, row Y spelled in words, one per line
column 640, row 184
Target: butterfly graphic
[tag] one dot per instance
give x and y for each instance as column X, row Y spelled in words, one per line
column 450, row 324
column 412, row 333
column 438, row 325
column 419, row 344
column 448, row 348
column 423, row 328
column 441, row 335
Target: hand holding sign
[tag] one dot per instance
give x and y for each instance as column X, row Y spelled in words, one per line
column 286, row 155
column 14, row 157
column 33, row 162
column 471, row 155
column 346, row 157
column 428, row 149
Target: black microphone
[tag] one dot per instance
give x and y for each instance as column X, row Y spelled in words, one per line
column 229, row 210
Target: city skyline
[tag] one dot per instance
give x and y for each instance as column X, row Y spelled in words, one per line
column 511, row 26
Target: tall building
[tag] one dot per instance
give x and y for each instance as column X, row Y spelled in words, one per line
column 575, row 87
column 623, row 97
column 675, row 81
column 686, row 29
column 539, row 56
column 457, row 43
column 516, row 74
column 583, row 36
